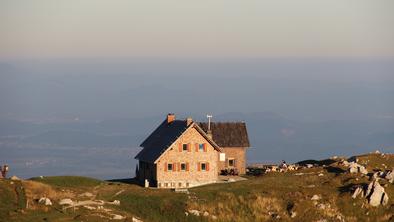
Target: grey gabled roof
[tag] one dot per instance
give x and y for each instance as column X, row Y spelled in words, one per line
column 228, row 134
column 163, row 136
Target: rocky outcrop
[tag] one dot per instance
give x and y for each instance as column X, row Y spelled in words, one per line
column 376, row 195
column 357, row 168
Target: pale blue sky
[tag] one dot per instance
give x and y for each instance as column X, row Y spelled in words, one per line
column 204, row 28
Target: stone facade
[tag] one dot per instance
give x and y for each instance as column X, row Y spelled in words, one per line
column 238, row 155
column 192, row 160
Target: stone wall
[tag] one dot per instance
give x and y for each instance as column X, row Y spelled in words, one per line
column 236, row 153
column 193, row 175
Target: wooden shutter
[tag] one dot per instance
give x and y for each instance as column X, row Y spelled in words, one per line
column 189, row 147
column 205, row 147
column 180, row 147
column 198, row 166
column 196, row 145
column 187, row 166
column 165, row 167
column 179, row 166
column 207, row 166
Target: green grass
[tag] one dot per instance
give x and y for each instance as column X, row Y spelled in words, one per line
column 68, row 181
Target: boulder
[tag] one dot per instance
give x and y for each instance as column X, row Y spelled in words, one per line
column 117, row 217
column 45, row 201
column 357, row 168
column 390, row 176
column 15, row 178
column 115, row 202
column 194, row 212
column 376, row 194
column 134, row 219
column 315, row 197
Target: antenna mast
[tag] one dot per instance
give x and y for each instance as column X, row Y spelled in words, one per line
column 209, row 122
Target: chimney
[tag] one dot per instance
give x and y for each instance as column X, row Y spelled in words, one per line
column 209, row 134
column 189, row 121
column 170, row 118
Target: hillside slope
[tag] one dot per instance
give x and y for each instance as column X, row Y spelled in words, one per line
column 320, row 193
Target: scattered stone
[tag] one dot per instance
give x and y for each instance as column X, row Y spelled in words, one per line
column 45, row 201
column 41, row 177
column 194, row 212
column 214, row 217
column 86, row 194
column 321, row 206
column 316, row 197
column 134, row 219
column 118, row 217
column 320, row 175
column 345, row 163
column 89, row 207
column 15, row 178
column 66, row 202
column 115, row 202
column 205, row 214
column 309, row 165
column 311, row 186
column 187, row 214
column 377, row 152
column 293, row 214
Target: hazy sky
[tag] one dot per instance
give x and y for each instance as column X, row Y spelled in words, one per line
column 204, row 28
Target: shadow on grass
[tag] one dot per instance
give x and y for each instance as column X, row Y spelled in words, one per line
column 336, row 170
column 126, row 181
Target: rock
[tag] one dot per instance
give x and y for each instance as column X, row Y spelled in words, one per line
column 357, row 168
column 187, row 214
column 194, row 212
column 118, row 217
column 134, row 219
column 357, row 192
column 89, row 207
column 345, row 163
column 214, row 217
column 320, row 175
column 205, row 214
column 376, row 194
column 115, row 202
column 15, row 178
column 45, row 201
column 86, row 194
column 321, row 206
column 315, row 197
column 231, row 180
column 309, row 165
column 377, row 152
column 293, row 214
column 390, row 176
column 362, row 170
column 66, row 202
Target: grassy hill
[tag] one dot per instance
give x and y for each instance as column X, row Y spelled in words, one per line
column 269, row 197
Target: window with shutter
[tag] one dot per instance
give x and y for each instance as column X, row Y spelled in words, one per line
column 196, row 147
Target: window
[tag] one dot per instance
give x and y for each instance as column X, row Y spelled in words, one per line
column 184, row 147
column 231, row 162
column 159, row 185
column 179, row 184
column 169, row 167
column 203, row 166
column 187, row 184
column 201, row 147
column 183, row 166
column 165, row 184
